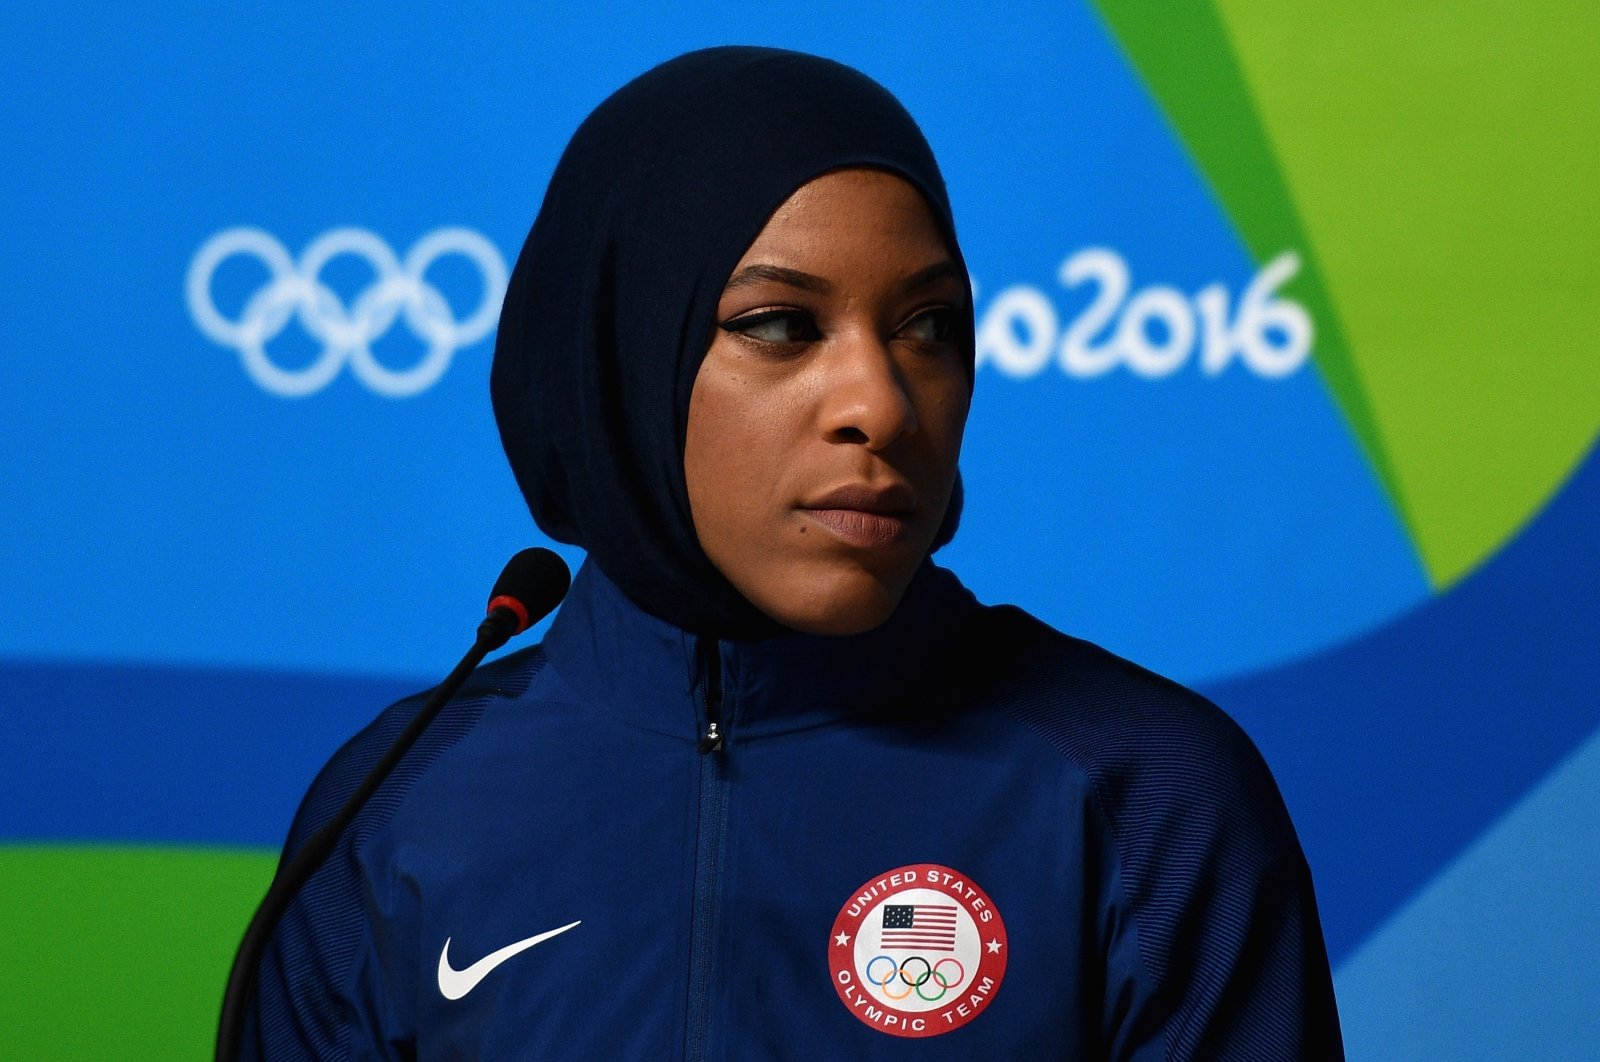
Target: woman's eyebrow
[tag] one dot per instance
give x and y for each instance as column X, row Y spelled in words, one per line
column 794, row 278
column 755, row 274
column 945, row 270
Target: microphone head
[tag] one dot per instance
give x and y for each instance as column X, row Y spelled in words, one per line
column 530, row 586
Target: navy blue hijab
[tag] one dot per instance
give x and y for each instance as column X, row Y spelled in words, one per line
column 612, row 303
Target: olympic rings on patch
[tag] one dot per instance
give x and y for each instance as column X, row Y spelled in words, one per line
column 897, row 972
column 399, row 290
column 895, row 995
column 945, row 983
column 893, row 969
column 889, row 978
column 922, row 979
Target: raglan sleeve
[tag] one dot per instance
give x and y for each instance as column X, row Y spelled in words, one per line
column 1214, row 945
column 321, row 990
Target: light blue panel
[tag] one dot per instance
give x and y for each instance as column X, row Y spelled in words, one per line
column 1496, row 958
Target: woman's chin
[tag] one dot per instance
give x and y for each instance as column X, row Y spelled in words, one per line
column 836, row 602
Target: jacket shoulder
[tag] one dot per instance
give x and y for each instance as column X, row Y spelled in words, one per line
column 509, row 676
column 1207, row 857
column 1147, row 743
column 305, row 1005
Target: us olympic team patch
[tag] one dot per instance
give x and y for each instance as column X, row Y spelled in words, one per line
column 918, row 951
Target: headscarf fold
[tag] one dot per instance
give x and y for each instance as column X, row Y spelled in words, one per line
column 612, row 303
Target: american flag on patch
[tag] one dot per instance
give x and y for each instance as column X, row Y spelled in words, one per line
column 919, row 927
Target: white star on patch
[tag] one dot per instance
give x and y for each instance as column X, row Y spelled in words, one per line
column 843, row 939
column 994, row 947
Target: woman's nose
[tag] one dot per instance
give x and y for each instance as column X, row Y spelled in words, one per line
column 866, row 398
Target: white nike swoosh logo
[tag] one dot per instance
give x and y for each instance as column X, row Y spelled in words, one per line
column 455, row 983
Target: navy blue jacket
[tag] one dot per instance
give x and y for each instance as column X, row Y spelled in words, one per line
column 962, row 835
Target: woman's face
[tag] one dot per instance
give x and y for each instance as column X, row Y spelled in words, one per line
column 826, row 418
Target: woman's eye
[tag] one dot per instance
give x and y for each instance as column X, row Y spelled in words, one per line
column 937, row 325
column 776, row 326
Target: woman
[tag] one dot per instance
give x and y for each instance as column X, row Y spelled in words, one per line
column 775, row 786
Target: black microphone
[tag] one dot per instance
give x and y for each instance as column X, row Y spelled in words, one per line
column 529, row 588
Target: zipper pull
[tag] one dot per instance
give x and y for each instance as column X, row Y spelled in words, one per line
column 711, row 740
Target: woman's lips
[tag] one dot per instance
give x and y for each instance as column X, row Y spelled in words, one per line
column 861, row 528
column 865, row 515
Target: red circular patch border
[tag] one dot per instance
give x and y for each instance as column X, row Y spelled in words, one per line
column 917, row 1024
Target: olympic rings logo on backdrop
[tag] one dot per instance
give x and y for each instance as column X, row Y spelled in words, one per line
column 399, row 291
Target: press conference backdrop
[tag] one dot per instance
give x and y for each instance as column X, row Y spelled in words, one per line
column 1287, row 388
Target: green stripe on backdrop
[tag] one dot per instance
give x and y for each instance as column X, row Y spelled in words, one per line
column 1181, row 50
column 119, row 952
column 1445, row 157
column 1442, row 159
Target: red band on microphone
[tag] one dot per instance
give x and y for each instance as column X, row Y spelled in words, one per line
column 515, row 607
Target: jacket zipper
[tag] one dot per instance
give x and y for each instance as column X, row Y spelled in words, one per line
column 713, row 816
column 711, row 732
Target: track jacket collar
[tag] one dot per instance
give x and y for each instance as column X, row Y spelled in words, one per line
column 651, row 674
